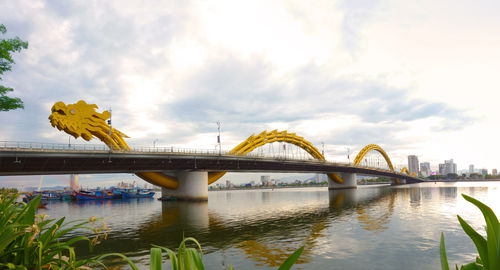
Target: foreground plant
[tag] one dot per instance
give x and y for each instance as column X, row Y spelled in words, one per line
column 488, row 249
column 189, row 258
column 31, row 241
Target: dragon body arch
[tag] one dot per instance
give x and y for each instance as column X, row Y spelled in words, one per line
column 375, row 147
column 254, row 141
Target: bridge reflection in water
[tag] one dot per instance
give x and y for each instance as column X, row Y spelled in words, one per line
column 266, row 226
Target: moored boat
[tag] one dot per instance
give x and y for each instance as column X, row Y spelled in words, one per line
column 93, row 195
column 142, row 193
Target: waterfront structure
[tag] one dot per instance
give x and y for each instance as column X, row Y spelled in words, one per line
column 183, row 175
column 425, row 169
column 447, row 167
column 413, row 164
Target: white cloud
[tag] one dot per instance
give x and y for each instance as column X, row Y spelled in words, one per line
column 415, row 78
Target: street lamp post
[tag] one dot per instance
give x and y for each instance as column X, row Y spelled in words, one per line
column 110, row 125
column 154, row 143
column 348, row 153
column 218, row 138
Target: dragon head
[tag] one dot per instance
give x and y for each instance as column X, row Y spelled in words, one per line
column 82, row 120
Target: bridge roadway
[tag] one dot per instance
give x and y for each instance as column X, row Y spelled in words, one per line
column 20, row 161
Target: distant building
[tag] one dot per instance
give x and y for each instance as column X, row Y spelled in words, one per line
column 229, row 184
column 265, row 179
column 494, row 172
column 484, row 172
column 413, row 164
column 447, row 167
column 471, row 169
column 425, row 169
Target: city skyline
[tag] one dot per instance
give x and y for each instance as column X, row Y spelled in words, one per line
column 337, row 73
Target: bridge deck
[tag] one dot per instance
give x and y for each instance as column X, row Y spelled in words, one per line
column 44, row 162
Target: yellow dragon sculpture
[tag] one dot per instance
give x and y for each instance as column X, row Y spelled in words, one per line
column 82, row 120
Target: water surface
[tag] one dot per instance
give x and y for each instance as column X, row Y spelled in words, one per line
column 368, row 228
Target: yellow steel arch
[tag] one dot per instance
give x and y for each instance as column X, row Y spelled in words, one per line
column 405, row 170
column 373, row 147
column 265, row 137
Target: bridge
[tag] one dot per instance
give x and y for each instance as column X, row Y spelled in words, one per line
column 184, row 174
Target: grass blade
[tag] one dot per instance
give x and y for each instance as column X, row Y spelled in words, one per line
column 471, row 266
column 442, row 251
column 292, row 259
column 155, row 259
column 130, row 263
column 489, row 215
column 479, row 241
column 492, row 242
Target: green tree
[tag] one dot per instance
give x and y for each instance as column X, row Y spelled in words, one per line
column 8, row 46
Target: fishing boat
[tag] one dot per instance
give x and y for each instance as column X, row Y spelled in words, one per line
column 42, row 204
column 46, row 195
column 93, row 195
column 138, row 193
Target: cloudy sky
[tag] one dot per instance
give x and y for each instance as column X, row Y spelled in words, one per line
column 416, row 77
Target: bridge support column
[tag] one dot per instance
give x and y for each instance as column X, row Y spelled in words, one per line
column 193, row 186
column 396, row 181
column 349, row 182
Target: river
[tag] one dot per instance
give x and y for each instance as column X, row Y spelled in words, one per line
column 372, row 227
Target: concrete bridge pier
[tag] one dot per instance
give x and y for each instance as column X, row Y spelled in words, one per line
column 396, row 181
column 349, row 182
column 193, row 186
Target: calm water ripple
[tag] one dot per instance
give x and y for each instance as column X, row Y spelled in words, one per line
column 368, row 228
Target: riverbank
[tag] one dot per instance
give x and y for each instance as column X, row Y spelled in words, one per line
column 293, row 186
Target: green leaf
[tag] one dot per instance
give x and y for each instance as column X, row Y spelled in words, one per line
column 444, row 259
column 7, row 237
column 173, row 258
column 471, row 266
column 28, row 215
column 292, row 259
column 195, row 258
column 479, row 241
column 493, row 260
column 155, row 259
column 488, row 214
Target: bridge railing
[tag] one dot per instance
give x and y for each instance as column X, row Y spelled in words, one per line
column 13, row 145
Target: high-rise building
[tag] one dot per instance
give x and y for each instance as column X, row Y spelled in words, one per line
column 484, row 172
column 494, row 172
column 425, row 169
column 447, row 167
column 471, row 168
column 413, row 164
column 441, row 169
